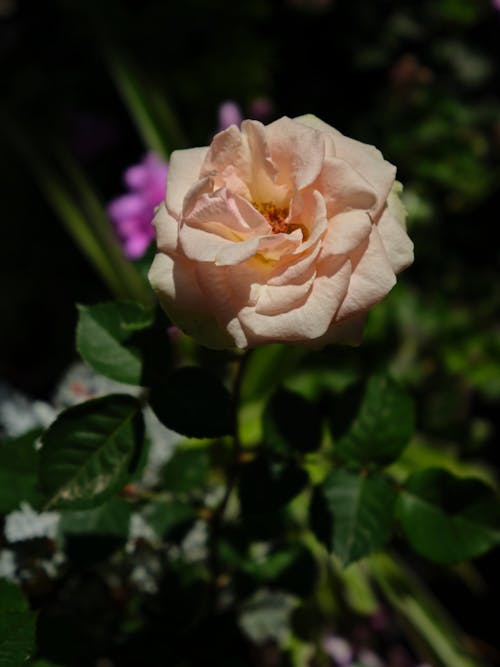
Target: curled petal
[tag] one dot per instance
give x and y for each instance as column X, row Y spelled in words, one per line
column 392, row 230
column 344, row 188
column 183, row 172
column 297, row 150
column 372, row 278
column 346, row 231
column 275, row 299
column 308, row 321
column 364, row 158
column 227, row 209
column 167, row 229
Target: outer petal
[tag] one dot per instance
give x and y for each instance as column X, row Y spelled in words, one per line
column 392, row 230
column 366, row 159
column 184, row 171
column 225, row 298
column 179, row 293
column 371, row 280
column 167, row 229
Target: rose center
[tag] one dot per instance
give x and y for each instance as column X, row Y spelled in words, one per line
column 276, row 217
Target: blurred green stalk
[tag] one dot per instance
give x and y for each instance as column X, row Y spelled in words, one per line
column 82, row 214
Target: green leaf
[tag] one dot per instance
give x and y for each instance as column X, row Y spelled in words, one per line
column 17, row 627
column 90, row 450
column 449, row 519
column 110, row 519
column 362, row 508
column 187, row 470
column 18, row 471
column 105, row 339
column 383, row 426
column 266, row 616
column 291, row 422
column 267, row 484
column 170, row 519
column 193, row 402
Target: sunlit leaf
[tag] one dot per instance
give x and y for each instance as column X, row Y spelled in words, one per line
column 106, row 338
column 90, row 450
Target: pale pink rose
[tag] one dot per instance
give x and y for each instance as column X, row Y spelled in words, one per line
column 279, row 233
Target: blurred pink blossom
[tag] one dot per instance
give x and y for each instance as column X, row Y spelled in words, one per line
column 133, row 212
column 229, row 114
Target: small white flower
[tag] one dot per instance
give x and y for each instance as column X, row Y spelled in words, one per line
column 8, row 565
column 26, row 524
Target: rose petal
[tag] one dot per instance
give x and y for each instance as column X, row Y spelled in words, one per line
column 297, row 150
column 184, row 171
column 228, row 153
column 275, row 299
column 397, row 243
column 167, row 229
column 176, row 283
column 235, row 253
column 308, row 321
column 392, row 230
column 225, row 297
column 346, row 231
column 200, row 244
column 263, row 172
column 229, row 210
column 318, row 226
column 344, row 188
column 372, row 278
column 292, row 271
column 366, row 159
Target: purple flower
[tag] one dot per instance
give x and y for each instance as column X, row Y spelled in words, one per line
column 229, row 114
column 133, row 212
column 496, row 4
